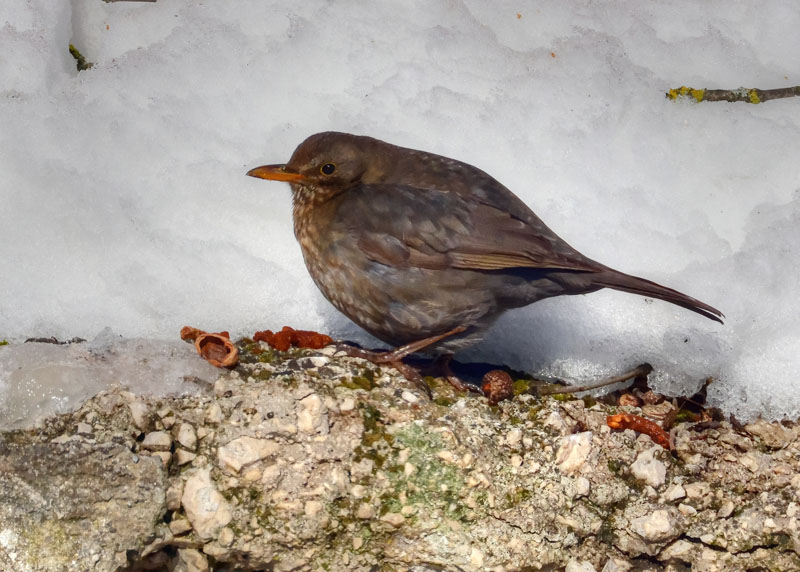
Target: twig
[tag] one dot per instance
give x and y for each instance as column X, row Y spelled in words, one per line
column 748, row 95
column 639, row 371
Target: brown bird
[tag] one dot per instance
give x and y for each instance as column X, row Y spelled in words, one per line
column 426, row 252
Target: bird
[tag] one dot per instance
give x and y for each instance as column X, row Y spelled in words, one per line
column 425, row 252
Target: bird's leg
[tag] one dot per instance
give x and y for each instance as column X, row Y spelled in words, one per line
column 395, row 357
column 408, row 349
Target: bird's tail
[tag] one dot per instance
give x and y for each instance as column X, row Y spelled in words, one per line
column 619, row 281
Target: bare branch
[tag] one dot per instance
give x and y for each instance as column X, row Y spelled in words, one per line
column 748, row 95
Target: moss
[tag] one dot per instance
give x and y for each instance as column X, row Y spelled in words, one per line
column 80, row 61
column 359, row 382
column 522, row 386
column 685, row 416
column 433, row 484
column 533, row 413
column 518, row 495
column 374, row 437
column 589, row 401
column 262, row 375
column 444, row 401
column 615, row 466
column 563, row 396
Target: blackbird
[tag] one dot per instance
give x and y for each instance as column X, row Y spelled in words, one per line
column 426, row 252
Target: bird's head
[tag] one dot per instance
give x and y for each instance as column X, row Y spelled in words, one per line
column 331, row 160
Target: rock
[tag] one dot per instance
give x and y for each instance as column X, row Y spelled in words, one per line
column 186, row 436
column 214, row 414
column 179, row 526
column 173, row 495
column 302, row 471
column 311, row 415
column 157, row 441
column 393, row 518
column 616, row 565
column 140, row 413
column 205, row 507
column 191, row 560
column 84, row 430
column 649, row 469
column 726, row 509
column 659, row 526
column 675, row 492
column 575, row 565
column 697, row 490
column 63, row 506
column 573, row 452
column 365, row 511
column 773, row 435
column 184, row 457
column 409, row 397
column 244, row 451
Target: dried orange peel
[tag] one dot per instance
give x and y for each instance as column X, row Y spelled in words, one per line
column 288, row 337
column 216, row 349
column 641, row 425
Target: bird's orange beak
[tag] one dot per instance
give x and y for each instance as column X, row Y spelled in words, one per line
column 276, row 173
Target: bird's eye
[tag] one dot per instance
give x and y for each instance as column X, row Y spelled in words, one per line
column 328, row 169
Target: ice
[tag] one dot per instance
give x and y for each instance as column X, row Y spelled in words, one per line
column 40, row 379
column 123, row 200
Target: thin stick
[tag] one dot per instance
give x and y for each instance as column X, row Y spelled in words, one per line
column 639, row 371
column 748, row 95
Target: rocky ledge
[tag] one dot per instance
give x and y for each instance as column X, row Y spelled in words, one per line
column 308, row 461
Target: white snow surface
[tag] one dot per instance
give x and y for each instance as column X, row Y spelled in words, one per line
column 124, row 200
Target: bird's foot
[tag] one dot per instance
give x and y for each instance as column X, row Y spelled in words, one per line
column 394, row 358
column 441, row 368
column 411, row 373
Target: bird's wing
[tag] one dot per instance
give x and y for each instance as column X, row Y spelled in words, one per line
column 408, row 226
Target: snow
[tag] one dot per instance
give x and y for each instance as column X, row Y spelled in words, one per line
column 124, row 200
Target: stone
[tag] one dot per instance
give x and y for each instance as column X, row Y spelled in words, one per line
column 649, row 469
column 244, row 451
column 675, row 492
column 616, row 565
column 84, row 430
column 513, row 437
column 180, row 526
column 312, row 415
column 173, row 496
column 191, row 560
column 183, row 457
column 186, row 436
column 573, row 452
column 575, row 565
column 99, row 498
column 312, row 508
column 365, row 511
column 773, row 435
column 157, row 441
column 214, row 414
column 205, row 507
column 697, row 490
column 726, row 509
column 659, row 526
column 140, row 414
column 393, row 518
